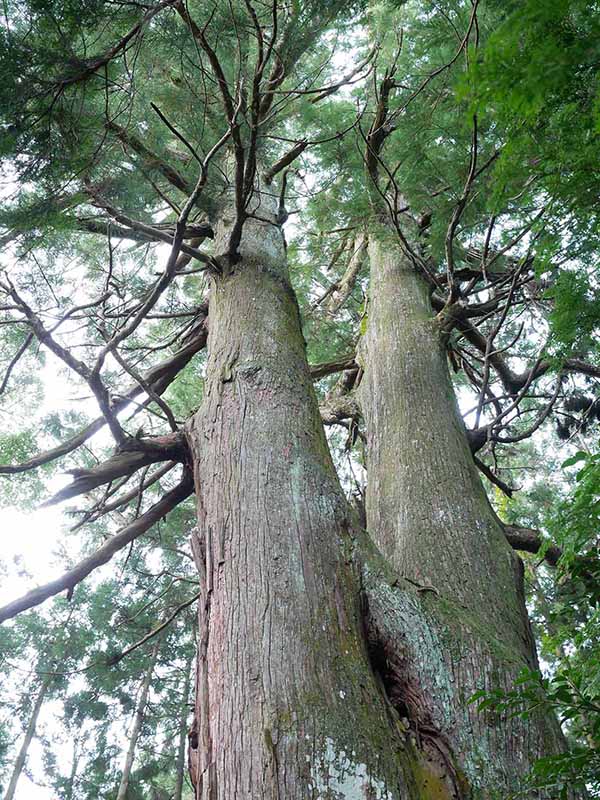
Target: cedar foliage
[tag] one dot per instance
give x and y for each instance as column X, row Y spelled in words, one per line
column 100, row 146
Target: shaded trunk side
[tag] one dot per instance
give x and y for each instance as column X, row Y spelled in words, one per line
column 429, row 514
column 287, row 703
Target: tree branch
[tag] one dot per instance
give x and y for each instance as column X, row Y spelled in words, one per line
column 531, row 541
column 492, row 477
column 91, row 66
column 132, row 456
column 159, row 377
column 151, row 159
column 103, row 554
column 113, row 660
column 319, row 371
column 102, row 508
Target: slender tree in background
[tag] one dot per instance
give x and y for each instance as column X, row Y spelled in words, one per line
column 27, row 739
column 95, row 649
column 186, row 697
column 137, row 722
column 157, row 151
column 45, row 645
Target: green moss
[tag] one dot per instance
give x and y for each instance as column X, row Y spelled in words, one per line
column 431, row 786
column 453, row 619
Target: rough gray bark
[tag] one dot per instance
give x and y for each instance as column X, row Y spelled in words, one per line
column 428, row 513
column 287, row 705
column 138, row 719
column 328, row 669
column 29, row 734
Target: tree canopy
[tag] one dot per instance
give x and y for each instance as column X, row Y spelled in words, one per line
column 127, row 130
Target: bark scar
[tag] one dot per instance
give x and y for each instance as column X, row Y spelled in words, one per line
column 422, row 587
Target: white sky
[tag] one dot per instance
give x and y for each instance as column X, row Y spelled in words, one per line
column 32, row 538
column 29, row 541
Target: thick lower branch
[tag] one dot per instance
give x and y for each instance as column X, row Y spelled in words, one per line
column 531, row 541
column 103, row 554
column 330, row 367
column 132, row 456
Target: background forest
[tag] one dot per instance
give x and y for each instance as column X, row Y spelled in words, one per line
column 480, row 122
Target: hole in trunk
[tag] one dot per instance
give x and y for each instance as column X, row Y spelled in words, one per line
column 436, row 772
column 384, row 671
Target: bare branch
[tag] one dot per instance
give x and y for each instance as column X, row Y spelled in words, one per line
column 91, row 377
column 151, row 159
column 457, row 214
column 91, row 66
column 319, row 371
column 159, row 377
column 102, row 508
column 148, row 389
column 343, row 288
column 152, row 231
column 132, row 456
column 492, row 477
column 444, row 67
column 113, row 660
column 531, row 541
column 14, row 361
column 104, row 553
column 286, row 160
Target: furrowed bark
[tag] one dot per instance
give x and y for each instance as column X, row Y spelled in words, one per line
column 287, row 703
column 428, row 513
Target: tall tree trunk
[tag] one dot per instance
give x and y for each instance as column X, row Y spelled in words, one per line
column 29, row 734
column 138, row 719
column 183, row 729
column 326, row 669
column 287, row 706
column 429, row 514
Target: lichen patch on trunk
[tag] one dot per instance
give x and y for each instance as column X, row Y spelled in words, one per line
column 338, row 775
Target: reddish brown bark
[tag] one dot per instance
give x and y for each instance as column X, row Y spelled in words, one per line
column 287, row 705
column 327, row 668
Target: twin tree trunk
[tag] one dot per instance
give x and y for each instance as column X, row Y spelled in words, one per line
column 328, row 668
column 430, row 517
